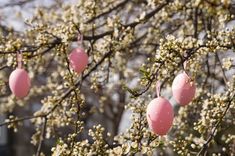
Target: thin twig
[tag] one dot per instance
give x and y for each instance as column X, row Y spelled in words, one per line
column 195, row 22
column 21, row 119
column 121, row 4
column 221, row 67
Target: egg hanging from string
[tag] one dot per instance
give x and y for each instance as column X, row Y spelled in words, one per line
column 19, row 81
column 78, row 60
column 183, row 89
column 160, row 115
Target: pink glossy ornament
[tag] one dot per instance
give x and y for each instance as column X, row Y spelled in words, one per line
column 160, row 115
column 19, row 83
column 183, row 89
column 78, row 60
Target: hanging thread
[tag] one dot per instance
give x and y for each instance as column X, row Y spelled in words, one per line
column 158, row 89
column 80, row 40
column 185, row 65
column 19, row 59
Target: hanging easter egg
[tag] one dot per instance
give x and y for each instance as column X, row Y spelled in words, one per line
column 160, row 115
column 183, row 89
column 78, row 60
column 19, row 83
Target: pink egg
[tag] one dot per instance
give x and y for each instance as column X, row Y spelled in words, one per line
column 160, row 115
column 183, row 89
column 19, row 83
column 78, row 60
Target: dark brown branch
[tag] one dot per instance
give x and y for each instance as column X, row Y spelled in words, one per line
column 43, row 131
column 95, row 37
column 121, row 4
column 149, row 15
column 3, row 67
column 17, row 3
column 213, row 4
